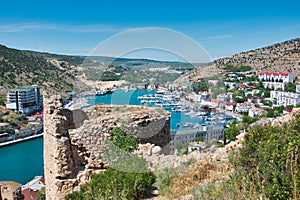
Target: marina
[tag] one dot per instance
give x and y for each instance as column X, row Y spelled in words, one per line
column 172, row 102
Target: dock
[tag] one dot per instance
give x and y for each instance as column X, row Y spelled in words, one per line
column 21, row 140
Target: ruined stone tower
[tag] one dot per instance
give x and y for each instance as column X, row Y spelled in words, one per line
column 73, row 140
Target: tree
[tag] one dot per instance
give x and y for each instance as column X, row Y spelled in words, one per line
column 290, row 87
column 231, row 133
column 2, row 101
column 267, row 102
column 260, row 85
column 266, row 93
column 199, row 86
column 249, row 120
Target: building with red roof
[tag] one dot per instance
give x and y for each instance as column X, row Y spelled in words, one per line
column 275, row 80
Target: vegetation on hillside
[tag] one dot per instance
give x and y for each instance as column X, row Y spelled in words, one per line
column 72, row 60
column 25, row 68
column 233, row 69
column 267, row 167
column 112, row 73
column 283, row 56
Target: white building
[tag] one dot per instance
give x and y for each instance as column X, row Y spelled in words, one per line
column 285, row 98
column 242, row 107
column 275, row 80
column 25, row 99
column 255, row 112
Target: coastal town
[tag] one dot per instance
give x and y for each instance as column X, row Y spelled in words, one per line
column 239, row 95
column 211, row 105
column 185, row 100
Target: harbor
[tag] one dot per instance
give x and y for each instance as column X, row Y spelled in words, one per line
column 187, row 118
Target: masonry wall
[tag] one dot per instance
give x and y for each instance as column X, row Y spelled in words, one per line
column 73, row 140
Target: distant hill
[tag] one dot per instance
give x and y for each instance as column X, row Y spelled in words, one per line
column 19, row 67
column 59, row 72
column 283, row 56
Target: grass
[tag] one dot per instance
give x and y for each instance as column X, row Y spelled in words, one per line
column 175, row 183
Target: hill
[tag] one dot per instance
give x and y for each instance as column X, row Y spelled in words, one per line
column 61, row 72
column 283, row 56
column 19, row 67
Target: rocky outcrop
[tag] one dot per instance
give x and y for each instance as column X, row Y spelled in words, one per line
column 286, row 118
column 74, row 140
column 10, row 190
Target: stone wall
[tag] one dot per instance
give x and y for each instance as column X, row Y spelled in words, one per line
column 10, row 191
column 73, row 140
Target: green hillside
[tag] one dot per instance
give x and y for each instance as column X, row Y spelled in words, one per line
column 19, row 67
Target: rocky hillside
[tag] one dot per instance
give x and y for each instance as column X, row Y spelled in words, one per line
column 19, row 67
column 283, row 56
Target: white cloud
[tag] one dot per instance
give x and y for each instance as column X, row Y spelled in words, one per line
column 217, row 37
column 20, row 27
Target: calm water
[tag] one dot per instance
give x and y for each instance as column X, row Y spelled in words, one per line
column 21, row 162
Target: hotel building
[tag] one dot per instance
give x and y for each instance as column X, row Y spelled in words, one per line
column 25, row 99
column 275, row 80
column 285, row 98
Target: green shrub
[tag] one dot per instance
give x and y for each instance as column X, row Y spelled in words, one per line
column 267, row 167
column 123, row 140
column 270, row 157
column 115, row 184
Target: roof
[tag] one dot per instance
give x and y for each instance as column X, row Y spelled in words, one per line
column 244, row 103
column 206, row 93
column 229, row 103
column 255, row 109
column 274, row 73
column 29, row 194
column 246, row 86
column 288, row 110
column 22, row 88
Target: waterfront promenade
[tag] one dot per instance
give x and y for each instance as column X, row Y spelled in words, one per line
column 21, row 140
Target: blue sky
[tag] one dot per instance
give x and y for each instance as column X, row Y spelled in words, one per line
column 76, row 27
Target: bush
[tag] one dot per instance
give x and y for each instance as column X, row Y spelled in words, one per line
column 269, row 161
column 115, row 184
column 267, row 167
column 123, row 140
column 231, row 132
column 2, row 102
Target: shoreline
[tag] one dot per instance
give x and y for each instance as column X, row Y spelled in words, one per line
column 4, row 144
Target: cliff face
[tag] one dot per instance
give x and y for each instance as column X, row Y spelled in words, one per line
column 73, row 140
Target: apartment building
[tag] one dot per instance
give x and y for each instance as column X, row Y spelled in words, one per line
column 285, row 98
column 25, row 99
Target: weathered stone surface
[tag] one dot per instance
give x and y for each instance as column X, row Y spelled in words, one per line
column 10, row 190
column 73, row 140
